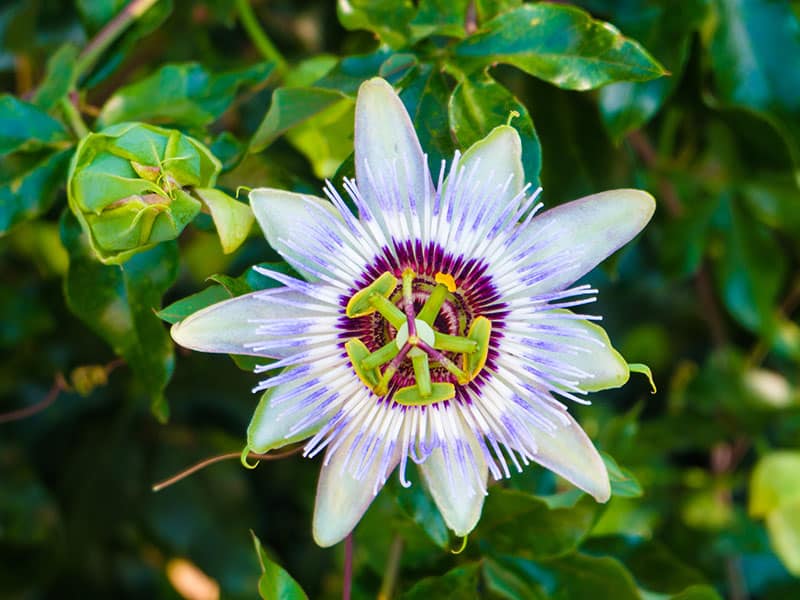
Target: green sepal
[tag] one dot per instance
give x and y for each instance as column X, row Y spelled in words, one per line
column 644, row 370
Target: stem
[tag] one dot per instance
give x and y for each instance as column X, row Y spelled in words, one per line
column 108, row 34
column 258, row 36
column 73, row 116
column 215, row 459
column 59, row 385
column 347, row 584
column 392, row 569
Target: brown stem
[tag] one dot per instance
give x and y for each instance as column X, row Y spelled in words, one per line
column 641, row 144
column 108, row 34
column 59, row 385
column 347, row 584
column 215, row 459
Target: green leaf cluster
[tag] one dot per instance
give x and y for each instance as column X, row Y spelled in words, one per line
column 126, row 130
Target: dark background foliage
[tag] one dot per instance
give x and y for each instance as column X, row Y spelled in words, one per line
column 707, row 498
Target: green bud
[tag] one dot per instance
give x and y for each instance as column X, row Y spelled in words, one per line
column 131, row 184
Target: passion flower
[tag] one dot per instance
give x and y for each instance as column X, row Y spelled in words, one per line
column 435, row 325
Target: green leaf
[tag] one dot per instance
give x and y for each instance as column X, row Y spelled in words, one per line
column 518, row 522
column 460, row 583
column 233, row 219
column 387, row 18
column 666, row 33
column 560, row 44
column 654, row 567
column 325, row 139
column 177, row 311
column 749, row 46
column 479, row 104
column 774, row 201
column 25, row 127
column 783, row 526
column 425, row 95
column 751, row 271
column 118, row 303
column 419, row 506
column 251, row 280
column 351, row 71
column 184, row 94
column 289, row 108
column 439, row 17
column 275, row 583
column 775, row 482
column 486, row 10
column 59, row 78
column 623, row 483
column 30, row 186
column 573, row 577
column 504, row 582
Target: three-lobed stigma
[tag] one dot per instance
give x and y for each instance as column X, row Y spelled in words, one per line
column 416, row 340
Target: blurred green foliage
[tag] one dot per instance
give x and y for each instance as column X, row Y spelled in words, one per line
column 697, row 102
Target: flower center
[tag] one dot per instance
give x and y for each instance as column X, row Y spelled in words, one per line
column 423, row 344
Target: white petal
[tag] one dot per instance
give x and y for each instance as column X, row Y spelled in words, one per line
column 231, row 327
column 458, row 496
column 341, row 499
column 385, row 140
column 569, row 452
column 584, row 232
column 498, row 158
column 271, row 425
column 593, row 353
column 284, row 218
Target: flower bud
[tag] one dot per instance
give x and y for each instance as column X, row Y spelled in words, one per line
column 130, row 187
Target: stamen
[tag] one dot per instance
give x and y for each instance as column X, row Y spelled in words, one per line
column 454, row 343
column 381, row 356
column 416, row 339
column 433, row 304
column 421, row 372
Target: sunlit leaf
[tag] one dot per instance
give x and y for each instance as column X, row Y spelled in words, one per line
column 180, row 94
column 289, row 108
column 387, row 18
column 560, row 44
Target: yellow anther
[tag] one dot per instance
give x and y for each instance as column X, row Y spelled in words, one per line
column 357, row 351
column 362, row 303
column 480, row 331
column 447, row 281
column 410, row 395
